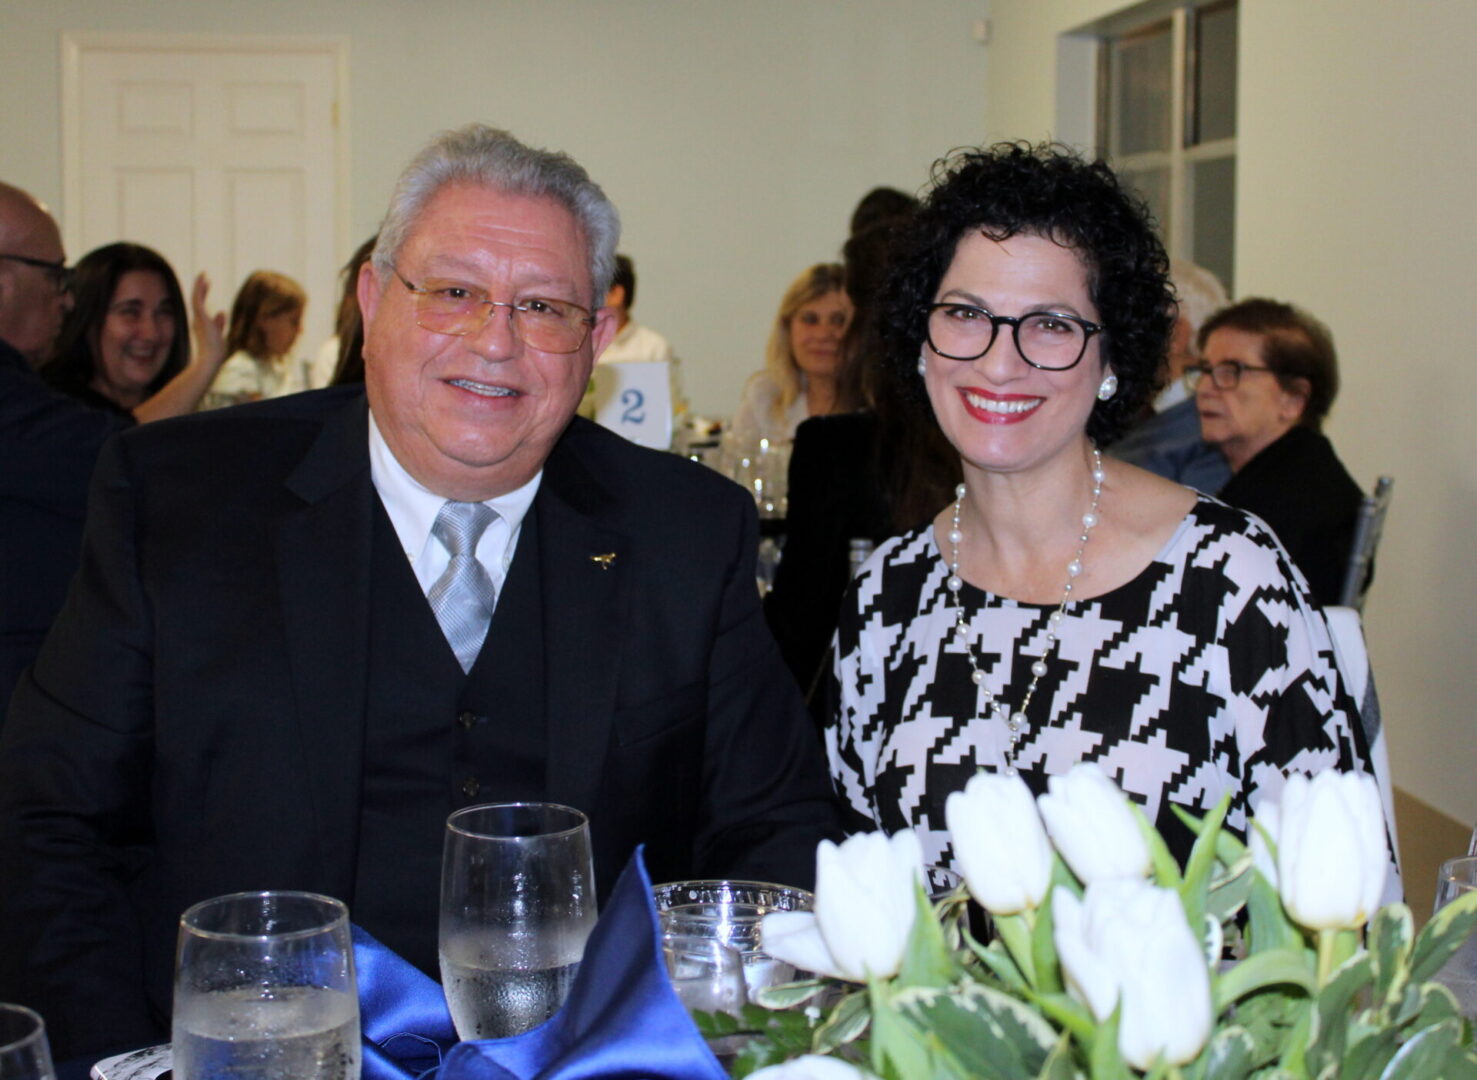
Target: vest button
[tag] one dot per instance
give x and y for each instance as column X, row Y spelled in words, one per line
column 470, row 787
column 467, row 720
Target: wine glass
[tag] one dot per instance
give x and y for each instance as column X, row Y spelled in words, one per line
column 517, row 903
column 264, row 987
column 1455, row 878
column 24, row 1053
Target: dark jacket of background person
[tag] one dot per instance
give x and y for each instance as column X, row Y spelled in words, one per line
column 204, row 716
column 1299, row 487
column 48, row 447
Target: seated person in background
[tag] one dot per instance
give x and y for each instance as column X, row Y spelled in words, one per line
column 1168, row 443
column 340, row 358
column 1267, row 378
column 633, row 342
column 266, row 320
column 804, row 365
column 307, row 630
column 863, row 475
column 49, row 441
column 127, row 337
column 1064, row 606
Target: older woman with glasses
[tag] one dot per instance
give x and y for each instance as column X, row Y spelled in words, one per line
column 1065, row 607
column 1267, row 379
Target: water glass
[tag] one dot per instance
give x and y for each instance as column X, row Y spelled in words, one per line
column 730, row 913
column 24, row 1053
column 707, row 975
column 264, row 989
column 517, row 903
column 1455, row 878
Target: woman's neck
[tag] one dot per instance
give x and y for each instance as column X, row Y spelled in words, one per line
column 820, row 396
column 127, row 399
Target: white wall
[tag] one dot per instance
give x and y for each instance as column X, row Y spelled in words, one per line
column 1355, row 176
column 734, row 137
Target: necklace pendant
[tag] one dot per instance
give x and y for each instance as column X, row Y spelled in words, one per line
column 1009, row 770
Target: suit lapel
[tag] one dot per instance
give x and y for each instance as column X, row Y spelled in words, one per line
column 586, row 576
column 322, row 550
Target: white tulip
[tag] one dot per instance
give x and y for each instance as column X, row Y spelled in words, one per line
column 864, row 909
column 1331, row 857
column 810, row 1067
column 999, row 843
column 1091, row 824
column 1127, row 942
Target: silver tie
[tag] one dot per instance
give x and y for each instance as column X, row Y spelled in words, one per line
column 463, row 597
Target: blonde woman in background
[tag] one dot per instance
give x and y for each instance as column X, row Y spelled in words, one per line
column 805, row 365
column 266, row 320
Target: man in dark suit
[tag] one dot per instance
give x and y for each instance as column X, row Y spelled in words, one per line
column 49, row 442
column 271, row 671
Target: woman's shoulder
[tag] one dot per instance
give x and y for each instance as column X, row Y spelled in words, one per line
column 1235, row 544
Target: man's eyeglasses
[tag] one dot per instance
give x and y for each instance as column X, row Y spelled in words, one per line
column 59, row 273
column 1225, row 376
column 448, row 307
column 1047, row 340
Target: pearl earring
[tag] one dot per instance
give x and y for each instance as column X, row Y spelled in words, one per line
column 922, row 364
column 1108, row 387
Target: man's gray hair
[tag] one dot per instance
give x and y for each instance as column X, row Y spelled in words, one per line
column 1200, row 292
column 485, row 156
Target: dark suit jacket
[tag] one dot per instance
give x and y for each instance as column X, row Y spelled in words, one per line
column 48, row 446
column 194, row 724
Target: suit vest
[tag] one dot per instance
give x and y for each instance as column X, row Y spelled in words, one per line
column 436, row 739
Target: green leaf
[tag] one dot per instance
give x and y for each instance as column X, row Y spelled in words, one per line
column 1424, row 1055
column 1230, row 890
column 985, row 1033
column 1231, row 1054
column 1271, row 1020
column 1391, row 940
column 789, row 995
column 926, row 960
column 1292, row 968
column 1104, row 1062
column 1066, row 1013
column 1448, row 929
column 1060, row 1063
column 898, row 1048
column 997, row 959
column 1334, row 1003
column 1166, row 870
column 1427, row 1004
column 1043, row 952
column 1268, row 926
column 1367, row 1057
column 845, row 1024
column 1200, row 866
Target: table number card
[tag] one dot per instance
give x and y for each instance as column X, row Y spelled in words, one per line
column 635, row 400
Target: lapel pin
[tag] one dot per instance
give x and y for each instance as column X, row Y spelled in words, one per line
column 604, row 560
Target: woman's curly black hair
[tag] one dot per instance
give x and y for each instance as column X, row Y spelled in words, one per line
column 1015, row 188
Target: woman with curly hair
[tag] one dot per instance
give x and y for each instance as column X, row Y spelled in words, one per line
column 1064, row 606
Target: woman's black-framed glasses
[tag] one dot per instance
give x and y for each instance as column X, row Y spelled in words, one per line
column 59, row 273
column 446, row 307
column 1223, row 376
column 1048, row 340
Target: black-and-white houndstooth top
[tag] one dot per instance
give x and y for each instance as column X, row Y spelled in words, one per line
column 1210, row 672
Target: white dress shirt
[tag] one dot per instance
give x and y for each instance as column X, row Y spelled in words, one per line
column 413, row 509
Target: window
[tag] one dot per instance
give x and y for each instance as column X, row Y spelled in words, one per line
column 1167, row 122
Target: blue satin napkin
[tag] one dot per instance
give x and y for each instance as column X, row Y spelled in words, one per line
column 622, row 1020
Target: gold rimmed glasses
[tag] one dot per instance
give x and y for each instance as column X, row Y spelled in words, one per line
column 458, row 309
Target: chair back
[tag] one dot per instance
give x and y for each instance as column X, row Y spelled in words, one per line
column 1366, row 539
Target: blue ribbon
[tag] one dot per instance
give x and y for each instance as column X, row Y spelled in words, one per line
column 622, row 1018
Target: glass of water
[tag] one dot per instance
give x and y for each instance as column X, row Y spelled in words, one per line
column 517, row 903
column 264, row 988
column 730, row 912
column 24, row 1053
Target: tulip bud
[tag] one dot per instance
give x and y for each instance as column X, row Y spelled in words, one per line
column 1127, row 943
column 810, row 1067
column 864, row 909
column 1091, row 824
column 1331, row 857
column 999, row 843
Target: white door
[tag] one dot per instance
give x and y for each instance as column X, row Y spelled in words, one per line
column 224, row 154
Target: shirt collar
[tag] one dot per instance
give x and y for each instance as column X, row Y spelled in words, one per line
column 413, row 507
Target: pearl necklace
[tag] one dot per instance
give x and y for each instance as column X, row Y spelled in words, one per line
column 1016, row 721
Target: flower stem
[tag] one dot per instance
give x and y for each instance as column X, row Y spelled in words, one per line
column 1327, row 955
